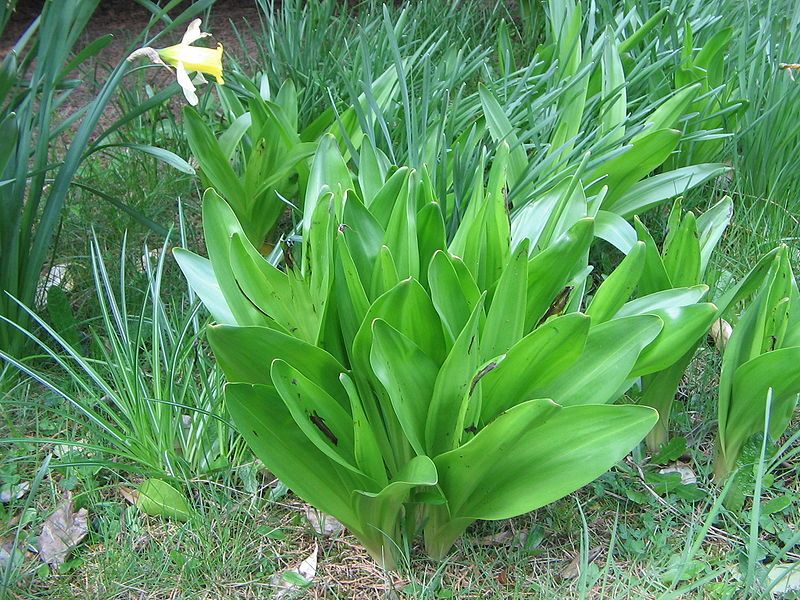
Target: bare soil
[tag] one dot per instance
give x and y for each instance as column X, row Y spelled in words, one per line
column 125, row 19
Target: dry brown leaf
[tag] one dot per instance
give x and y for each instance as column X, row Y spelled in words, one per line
column 688, row 476
column 131, row 495
column 721, row 332
column 784, row 578
column 14, row 492
column 289, row 582
column 573, row 569
column 9, row 554
column 325, row 525
column 62, row 531
column 506, row 537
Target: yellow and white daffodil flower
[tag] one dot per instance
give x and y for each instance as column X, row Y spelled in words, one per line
column 186, row 59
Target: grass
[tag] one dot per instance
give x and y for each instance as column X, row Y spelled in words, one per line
column 630, row 534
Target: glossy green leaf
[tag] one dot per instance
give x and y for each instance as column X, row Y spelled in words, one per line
column 269, row 429
column 681, row 254
column 157, row 498
column 515, row 453
column 213, row 161
column 505, row 319
column 219, row 225
column 534, row 362
column 653, row 191
column 551, row 270
column 710, row 226
column 454, row 386
column 409, row 377
column 623, row 171
column 325, row 422
column 611, row 351
column 200, row 275
column 615, row 291
column 683, row 327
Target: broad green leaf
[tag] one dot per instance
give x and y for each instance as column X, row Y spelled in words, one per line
column 751, row 382
column 351, row 297
column 710, row 226
column 611, row 351
column 371, row 172
column 246, row 355
column 570, row 208
column 663, row 300
column 329, row 173
column 748, row 339
column 213, row 162
column 454, row 292
column 219, row 225
column 552, row 269
column 654, row 277
column 385, row 276
column 505, row 319
column 454, row 386
column 621, row 172
column 431, row 237
column 271, row 291
column 683, row 326
column 533, row 362
column 409, row 377
column 388, row 196
column 269, row 429
column 157, row 498
column 529, row 222
column 200, row 275
column 615, row 230
column 231, row 137
column 401, row 233
column 407, row 308
column 364, row 237
column 659, row 391
column 615, row 291
column 323, row 420
column 287, row 100
column 366, row 446
column 681, row 255
column 668, row 113
column 652, row 191
column 509, row 468
column 379, row 511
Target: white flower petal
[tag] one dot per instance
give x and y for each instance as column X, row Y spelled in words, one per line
column 186, row 83
column 199, row 79
column 193, row 33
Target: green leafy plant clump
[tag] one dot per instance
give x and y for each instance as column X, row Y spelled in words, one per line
column 401, row 381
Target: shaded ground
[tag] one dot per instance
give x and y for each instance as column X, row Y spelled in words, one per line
column 125, row 19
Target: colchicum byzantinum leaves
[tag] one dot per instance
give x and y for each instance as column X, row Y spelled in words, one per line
column 403, row 381
column 760, row 381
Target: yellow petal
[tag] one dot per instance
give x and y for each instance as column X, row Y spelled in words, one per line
column 195, row 58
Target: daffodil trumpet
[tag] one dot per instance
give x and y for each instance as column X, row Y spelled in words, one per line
column 186, row 59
